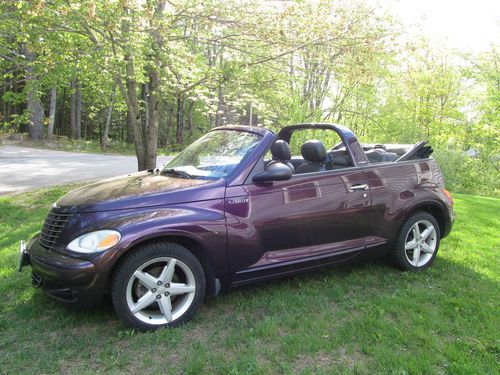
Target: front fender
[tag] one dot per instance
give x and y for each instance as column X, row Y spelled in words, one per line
column 204, row 223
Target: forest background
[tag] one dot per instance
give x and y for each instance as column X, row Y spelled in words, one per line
column 154, row 75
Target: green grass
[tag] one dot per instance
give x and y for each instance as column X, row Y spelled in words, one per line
column 368, row 318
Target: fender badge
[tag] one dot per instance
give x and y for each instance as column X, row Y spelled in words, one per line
column 237, row 200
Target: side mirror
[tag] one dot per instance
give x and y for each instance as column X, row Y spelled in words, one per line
column 273, row 172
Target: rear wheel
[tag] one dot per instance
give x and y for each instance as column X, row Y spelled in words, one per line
column 417, row 242
column 157, row 285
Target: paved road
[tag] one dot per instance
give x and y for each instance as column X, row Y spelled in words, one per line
column 28, row 168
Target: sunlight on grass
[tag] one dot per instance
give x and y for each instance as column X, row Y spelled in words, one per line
column 367, row 318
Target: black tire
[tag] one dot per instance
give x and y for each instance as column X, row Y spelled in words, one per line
column 400, row 255
column 122, row 292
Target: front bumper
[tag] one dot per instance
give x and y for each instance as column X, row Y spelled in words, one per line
column 23, row 258
column 62, row 277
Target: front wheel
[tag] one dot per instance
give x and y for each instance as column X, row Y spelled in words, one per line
column 157, row 285
column 417, row 242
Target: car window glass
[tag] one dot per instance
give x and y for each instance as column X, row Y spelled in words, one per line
column 268, row 156
column 214, row 155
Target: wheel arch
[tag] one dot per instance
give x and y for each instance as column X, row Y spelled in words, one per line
column 192, row 245
column 433, row 208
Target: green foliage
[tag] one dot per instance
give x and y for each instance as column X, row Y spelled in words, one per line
column 469, row 175
column 250, row 62
column 365, row 319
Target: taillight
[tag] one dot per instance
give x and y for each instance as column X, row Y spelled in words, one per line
column 448, row 196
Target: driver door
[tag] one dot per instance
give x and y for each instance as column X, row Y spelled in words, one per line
column 285, row 226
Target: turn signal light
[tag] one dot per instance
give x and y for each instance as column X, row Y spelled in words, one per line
column 448, row 196
column 108, row 241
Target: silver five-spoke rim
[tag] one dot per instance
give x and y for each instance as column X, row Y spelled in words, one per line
column 420, row 243
column 160, row 290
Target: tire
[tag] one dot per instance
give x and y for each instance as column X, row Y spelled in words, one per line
column 417, row 242
column 158, row 285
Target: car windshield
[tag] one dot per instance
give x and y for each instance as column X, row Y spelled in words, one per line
column 214, row 155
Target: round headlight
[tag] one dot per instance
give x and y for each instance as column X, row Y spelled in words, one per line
column 95, row 242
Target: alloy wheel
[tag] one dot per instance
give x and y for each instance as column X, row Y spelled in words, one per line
column 161, row 290
column 421, row 242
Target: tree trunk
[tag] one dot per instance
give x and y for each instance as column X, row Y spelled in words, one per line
column 144, row 107
column 250, row 114
column 35, row 110
column 134, row 117
column 170, row 124
column 14, row 107
column 34, row 104
column 130, row 131
column 152, row 118
column 179, row 134
column 190, row 117
column 220, row 112
column 211, row 56
column 4, row 103
column 162, row 123
column 86, row 124
column 105, row 138
column 78, row 111
column 145, row 140
column 8, row 111
column 72, row 111
column 52, row 112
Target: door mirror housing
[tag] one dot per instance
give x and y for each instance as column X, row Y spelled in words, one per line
column 274, row 171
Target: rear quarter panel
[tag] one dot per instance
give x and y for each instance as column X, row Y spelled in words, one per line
column 398, row 189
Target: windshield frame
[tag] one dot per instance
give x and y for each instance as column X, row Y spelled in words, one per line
column 236, row 170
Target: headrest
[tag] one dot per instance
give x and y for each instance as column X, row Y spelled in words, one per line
column 280, row 150
column 314, row 151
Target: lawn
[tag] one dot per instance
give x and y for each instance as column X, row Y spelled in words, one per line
column 368, row 318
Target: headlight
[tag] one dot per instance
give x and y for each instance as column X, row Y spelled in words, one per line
column 95, row 242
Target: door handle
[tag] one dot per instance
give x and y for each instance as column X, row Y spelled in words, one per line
column 359, row 187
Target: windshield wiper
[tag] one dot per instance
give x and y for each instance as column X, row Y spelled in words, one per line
column 177, row 173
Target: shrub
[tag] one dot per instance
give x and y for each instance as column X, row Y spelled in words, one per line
column 464, row 174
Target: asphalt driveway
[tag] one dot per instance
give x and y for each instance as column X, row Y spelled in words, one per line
column 28, row 168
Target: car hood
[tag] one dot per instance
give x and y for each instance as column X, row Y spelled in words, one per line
column 137, row 190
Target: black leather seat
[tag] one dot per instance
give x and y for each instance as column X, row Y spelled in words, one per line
column 280, row 152
column 314, row 154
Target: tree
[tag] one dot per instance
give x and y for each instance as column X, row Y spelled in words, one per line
column 158, row 73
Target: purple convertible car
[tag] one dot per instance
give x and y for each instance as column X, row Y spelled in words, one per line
column 239, row 205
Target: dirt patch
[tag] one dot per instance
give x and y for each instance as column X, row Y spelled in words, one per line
column 341, row 358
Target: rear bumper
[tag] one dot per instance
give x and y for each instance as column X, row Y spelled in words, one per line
column 64, row 278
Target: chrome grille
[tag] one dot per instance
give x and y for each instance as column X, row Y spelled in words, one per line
column 52, row 228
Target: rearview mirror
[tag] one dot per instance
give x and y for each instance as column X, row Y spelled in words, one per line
column 273, row 172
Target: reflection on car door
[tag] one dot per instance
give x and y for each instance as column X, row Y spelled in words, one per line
column 283, row 226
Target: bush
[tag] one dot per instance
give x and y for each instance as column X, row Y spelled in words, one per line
column 464, row 174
